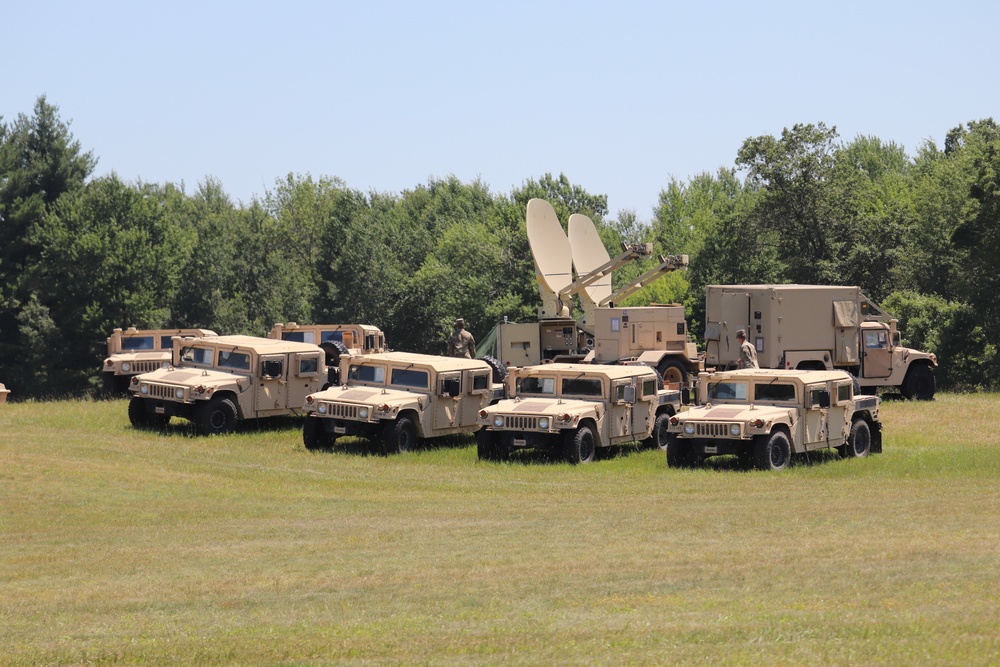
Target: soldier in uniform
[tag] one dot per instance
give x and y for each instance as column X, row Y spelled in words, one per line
column 748, row 355
column 461, row 343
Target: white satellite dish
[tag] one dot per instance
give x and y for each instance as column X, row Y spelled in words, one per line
column 553, row 257
column 589, row 254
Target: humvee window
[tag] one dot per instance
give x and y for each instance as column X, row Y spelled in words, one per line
column 774, row 392
column 581, row 386
column 875, row 340
column 409, row 378
column 367, row 373
column 728, row 390
column 480, row 382
column 196, row 355
column 648, row 388
column 327, row 336
column 237, row 360
column 844, row 392
column 166, row 343
column 814, row 394
column 271, row 368
column 308, row 366
column 297, row 336
column 137, row 343
column 538, row 385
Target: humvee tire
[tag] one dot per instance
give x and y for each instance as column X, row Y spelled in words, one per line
column 859, row 442
column 661, row 435
column 140, row 416
column 679, row 454
column 399, row 436
column 499, row 370
column 315, row 437
column 672, row 371
column 580, row 446
column 919, row 383
column 772, row 452
column 217, row 416
column 487, row 445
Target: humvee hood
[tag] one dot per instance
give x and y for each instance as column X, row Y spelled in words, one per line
column 368, row 395
column 191, row 376
column 730, row 413
column 147, row 355
column 540, row 406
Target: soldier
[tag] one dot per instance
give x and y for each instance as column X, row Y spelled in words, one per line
column 748, row 355
column 461, row 343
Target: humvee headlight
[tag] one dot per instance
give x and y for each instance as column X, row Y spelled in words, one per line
column 126, row 366
column 178, row 393
column 321, row 408
column 165, row 364
column 689, row 428
column 363, row 413
column 734, row 429
column 543, row 422
column 498, row 421
column 144, row 389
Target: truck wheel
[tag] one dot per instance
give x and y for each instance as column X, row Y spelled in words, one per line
column 580, row 445
column 773, row 453
column 919, row 383
column 673, row 371
column 217, row 416
column 859, row 442
column 679, row 454
column 399, row 436
column 499, row 370
column 661, row 434
column 487, row 445
column 315, row 437
column 334, row 350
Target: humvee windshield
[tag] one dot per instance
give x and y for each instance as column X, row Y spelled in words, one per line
column 582, row 386
column 774, row 392
column 403, row 377
column 166, row 342
column 538, row 385
column 728, row 390
column 367, row 374
column 197, row 355
column 232, row 359
column 138, row 343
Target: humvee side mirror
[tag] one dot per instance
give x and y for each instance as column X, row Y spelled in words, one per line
column 824, row 399
column 451, row 387
column 630, row 394
column 271, row 369
column 687, row 396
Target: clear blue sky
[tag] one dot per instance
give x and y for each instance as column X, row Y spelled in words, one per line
column 619, row 96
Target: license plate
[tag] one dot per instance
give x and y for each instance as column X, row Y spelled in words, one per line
column 340, row 429
column 159, row 409
column 520, row 442
column 711, row 449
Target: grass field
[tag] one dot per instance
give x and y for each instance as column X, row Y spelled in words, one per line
column 120, row 546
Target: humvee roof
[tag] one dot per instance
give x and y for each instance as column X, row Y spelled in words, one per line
column 259, row 345
column 441, row 364
column 611, row 372
column 806, row 377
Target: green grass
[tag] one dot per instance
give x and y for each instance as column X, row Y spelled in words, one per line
column 120, row 546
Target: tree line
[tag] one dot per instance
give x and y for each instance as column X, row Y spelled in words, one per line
column 81, row 255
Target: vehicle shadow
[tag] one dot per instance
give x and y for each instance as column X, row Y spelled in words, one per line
column 733, row 464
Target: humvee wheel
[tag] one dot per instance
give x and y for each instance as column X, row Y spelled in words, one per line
column 919, row 383
column 661, row 436
column 217, row 416
column 315, row 437
column 399, row 436
column 580, row 445
column 772, row 453
column 334, row 350
column 679, row 454
column 859, row 442
column 487, row 445
column 140, row 416
column 673, row 371
column 499, row 370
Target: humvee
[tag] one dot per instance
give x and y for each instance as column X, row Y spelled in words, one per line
column 573, row 409
column 395, row 398
column 216, row 381
column 765, row 416
column 337, row 340
column 134, row 351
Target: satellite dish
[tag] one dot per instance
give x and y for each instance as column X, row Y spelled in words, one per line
column 553, row 256
column 589, row 254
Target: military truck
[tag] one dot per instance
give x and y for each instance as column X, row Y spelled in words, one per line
column 764, row 416
column 133, row 351
column 217, row 381
column 817, row 327
column 337, row 340
column 656, row 335
column 396, row 398
column 572, row 409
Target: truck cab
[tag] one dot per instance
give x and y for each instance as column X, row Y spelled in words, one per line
column 217, row 381
column 573, row 409
column 765, row 416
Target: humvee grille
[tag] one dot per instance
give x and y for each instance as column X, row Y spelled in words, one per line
column 342, row 410
column 521, row 423
column 711, row 429
column 161, row 391
column 144, row 366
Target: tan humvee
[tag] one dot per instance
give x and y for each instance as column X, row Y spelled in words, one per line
column 397, row 397
column 337, row 340
column 816, row 327
column 764, row 416
column 575, row 408
column 134, row 351
column 216, row 381
column 4, row 393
